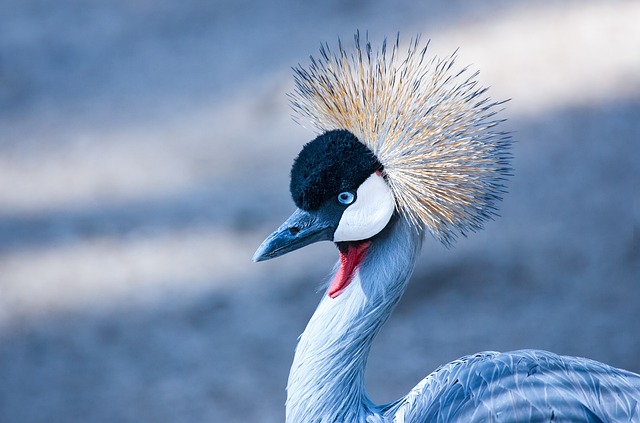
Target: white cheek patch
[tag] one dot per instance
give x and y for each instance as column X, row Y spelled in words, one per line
column 369, row 214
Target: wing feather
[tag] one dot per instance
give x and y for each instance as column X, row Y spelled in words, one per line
column 527, row 385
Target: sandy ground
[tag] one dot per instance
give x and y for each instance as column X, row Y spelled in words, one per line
column 144, row 154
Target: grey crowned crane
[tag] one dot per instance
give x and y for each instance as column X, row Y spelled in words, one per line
column 407, row 146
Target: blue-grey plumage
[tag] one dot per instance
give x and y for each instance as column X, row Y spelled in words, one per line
column 326, row 382
column 406, row 149
column 522, row 386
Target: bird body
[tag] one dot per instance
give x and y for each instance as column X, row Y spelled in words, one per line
column 404, row 150
column 326, row 382
column 522, row 386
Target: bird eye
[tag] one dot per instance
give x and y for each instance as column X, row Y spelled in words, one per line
column 346, row 198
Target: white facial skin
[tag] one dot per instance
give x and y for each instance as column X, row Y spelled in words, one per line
column 369, row 213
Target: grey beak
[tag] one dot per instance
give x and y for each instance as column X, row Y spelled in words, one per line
column 301, row 229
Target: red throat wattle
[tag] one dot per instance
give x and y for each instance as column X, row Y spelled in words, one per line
column 351, row 255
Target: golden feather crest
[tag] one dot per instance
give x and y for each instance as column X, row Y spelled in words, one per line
column 431, row 127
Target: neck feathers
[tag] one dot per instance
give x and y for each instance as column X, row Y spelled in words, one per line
column 326, row 382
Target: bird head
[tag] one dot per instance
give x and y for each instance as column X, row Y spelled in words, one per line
column 337, row 183
column 398, row 136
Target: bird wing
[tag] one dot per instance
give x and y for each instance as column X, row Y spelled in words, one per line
column 521, row 386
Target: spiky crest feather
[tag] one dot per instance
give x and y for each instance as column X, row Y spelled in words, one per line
column 432, row 128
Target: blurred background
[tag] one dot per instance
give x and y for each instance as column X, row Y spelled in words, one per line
column 145, row 149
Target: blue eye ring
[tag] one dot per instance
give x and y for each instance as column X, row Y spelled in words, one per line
column 346, row 198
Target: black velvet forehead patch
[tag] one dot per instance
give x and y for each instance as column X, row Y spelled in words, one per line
column 330, row 164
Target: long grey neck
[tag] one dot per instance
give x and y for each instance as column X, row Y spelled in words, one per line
column 326, row 382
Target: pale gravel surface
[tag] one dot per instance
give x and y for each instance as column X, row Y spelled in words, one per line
column 144, row 153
